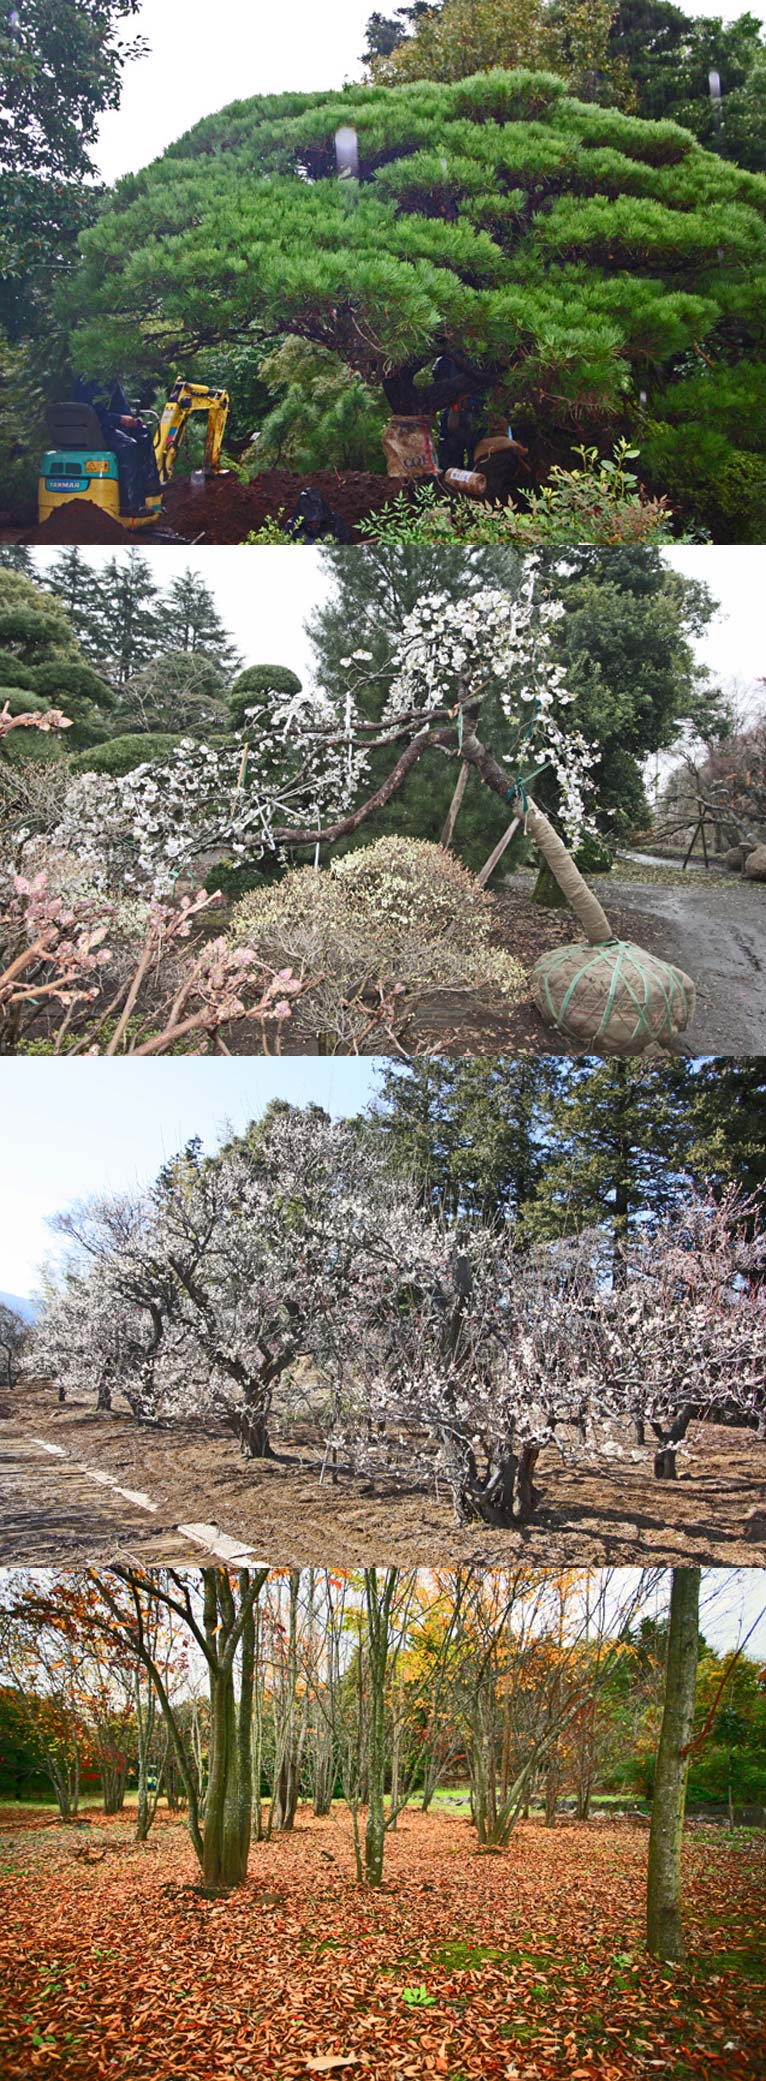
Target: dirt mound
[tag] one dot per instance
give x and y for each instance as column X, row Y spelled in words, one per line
column 80, row 521
column 223, row 510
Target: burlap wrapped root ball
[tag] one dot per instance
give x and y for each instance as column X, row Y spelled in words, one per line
column 614, row 996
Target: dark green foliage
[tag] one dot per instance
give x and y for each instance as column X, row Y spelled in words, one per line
column 720, row 467
column 568, row 250
column 565, row 1146
column 256, row 682
column 13, row 671
column 670, row 54
column 122, row 754
column 625, row 640
column 61, row 66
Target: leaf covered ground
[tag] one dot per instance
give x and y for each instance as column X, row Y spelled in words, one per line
column 529, row 1963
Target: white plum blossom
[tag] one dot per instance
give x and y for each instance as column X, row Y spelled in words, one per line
column 301, row 764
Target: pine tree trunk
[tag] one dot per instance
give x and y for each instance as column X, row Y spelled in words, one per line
column 663, row 1901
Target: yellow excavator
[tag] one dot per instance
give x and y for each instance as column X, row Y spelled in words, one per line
column 122, row 460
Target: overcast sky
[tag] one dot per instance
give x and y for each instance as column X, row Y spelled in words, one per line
column 202, row 57
column 264, row 597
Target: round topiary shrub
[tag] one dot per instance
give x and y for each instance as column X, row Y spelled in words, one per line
column 400, row 914
column 259, row 683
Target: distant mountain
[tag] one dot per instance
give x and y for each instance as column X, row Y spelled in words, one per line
column 26, row 1309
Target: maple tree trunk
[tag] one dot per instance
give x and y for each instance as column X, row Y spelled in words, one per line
column 228, row 1818
column 378, row 1619
column 664, row 1932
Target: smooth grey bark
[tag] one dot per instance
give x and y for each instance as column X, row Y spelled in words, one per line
column 664, row 1932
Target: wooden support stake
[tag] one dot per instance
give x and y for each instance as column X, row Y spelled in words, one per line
column 459, row 790
column 501, row 847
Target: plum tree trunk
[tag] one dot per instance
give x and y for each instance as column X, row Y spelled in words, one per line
column 664, row 1934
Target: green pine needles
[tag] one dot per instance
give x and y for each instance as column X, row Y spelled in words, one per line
column 573, row 253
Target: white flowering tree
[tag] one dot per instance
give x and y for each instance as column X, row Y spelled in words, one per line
column 296, row 1260
column 198, row 1298
column 152, row 825
column 685, row 1335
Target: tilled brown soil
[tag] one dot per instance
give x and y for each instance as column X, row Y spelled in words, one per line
column 52, row 1513
column 223, row 510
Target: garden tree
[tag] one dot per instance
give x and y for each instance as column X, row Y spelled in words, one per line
column 320, row 415
column 289, row 1710
column 727, row 1754
column 41, row 667
column 560, row 1146
column 191, row 621
column 459, row 37
column 203, row 1295
column 223, row 1632
column 664, row 1932
column 628, row 643
column 34, row 627
column 153, row 823
column 129, row 624
column 45, row 1669
column 614, row 1154
column 625, row 640
column 72, row 578
column 723, row 1099
column 13, row 1334
column 365, row 613
column 386, row 1704
column 572, row 255
column 728, row 779
column 60, row 68
column 50, row 1631
column 684, row 1333
column 669, row 56
column 14, row 556
column 181, row 691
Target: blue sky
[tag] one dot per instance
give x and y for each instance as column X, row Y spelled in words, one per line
column 74, row 1128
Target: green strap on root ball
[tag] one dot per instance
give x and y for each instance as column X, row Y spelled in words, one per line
column 614, row 996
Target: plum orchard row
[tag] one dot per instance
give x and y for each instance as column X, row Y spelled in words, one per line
column 296, row 1272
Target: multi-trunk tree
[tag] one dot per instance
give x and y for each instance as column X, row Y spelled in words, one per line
column 299, row 1265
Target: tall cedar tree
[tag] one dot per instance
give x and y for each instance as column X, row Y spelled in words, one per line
column 561, row 1146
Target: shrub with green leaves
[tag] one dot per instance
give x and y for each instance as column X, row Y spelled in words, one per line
column 706, row 446
column 571, row 252
column 324, row 416
column 599, row 502
column 122, row 754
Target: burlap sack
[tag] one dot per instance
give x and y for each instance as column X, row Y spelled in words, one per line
column 408, row 448
column 614, row 997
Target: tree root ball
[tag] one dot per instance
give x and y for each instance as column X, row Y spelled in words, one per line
column 615, row 996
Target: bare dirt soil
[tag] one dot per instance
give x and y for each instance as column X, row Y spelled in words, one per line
column 55, row 1511
column 223, row 510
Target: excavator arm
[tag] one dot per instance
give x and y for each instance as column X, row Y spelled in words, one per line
column 186, row 398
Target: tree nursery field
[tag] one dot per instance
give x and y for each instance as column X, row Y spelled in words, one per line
column 509, row 1306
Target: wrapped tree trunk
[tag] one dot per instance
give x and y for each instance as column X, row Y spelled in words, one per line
column 664, row 1934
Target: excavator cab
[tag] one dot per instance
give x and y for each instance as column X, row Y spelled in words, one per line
column 123, row 466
